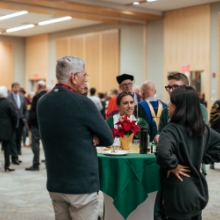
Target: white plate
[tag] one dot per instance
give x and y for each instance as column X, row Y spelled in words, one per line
column 117, row 153
column 102, row 149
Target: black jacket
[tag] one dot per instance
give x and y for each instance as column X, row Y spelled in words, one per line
column 32, row 120
column 67, row 123
column 183, row 200
column 8, row 119
column 22, row 113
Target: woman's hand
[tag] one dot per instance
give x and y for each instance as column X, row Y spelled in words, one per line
column 179, row 170
column 156, row 138
column 95, row 140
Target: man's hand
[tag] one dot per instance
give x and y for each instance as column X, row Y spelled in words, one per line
column 156, row 138
column 95, row 140
column 179, row 170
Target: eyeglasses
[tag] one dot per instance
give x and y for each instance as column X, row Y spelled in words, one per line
column 127, row 85
column 168, row 88
column 84, row 74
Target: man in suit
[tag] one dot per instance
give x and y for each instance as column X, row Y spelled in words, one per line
column 33, row 125
column 21, row 109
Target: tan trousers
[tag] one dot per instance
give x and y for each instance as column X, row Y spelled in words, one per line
column 75, row 206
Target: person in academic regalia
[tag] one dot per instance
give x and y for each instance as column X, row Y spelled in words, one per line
column 125, row 82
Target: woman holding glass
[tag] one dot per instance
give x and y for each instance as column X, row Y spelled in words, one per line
column 125, row 104
column 184, row 144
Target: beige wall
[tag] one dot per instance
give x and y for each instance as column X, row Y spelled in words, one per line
column 131, row 56
column 155, row 55
column 182, row 37
column 37, row 58
column 16, row 61
column 215, row 51
column 187, row 40
column 101, row 52
column 6, row 60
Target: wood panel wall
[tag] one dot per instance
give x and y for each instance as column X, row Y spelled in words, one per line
column 187, row 41
column 100, row 50
column 218, row 55
column 6, row 60
column 37, row 60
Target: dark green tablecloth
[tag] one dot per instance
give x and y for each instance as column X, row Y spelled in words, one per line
column 128, row 179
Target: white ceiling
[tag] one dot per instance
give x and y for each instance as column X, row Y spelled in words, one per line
column 157, row 7
column 33, row 18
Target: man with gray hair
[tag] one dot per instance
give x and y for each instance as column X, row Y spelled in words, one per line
column 33, row 125
column 70, row 127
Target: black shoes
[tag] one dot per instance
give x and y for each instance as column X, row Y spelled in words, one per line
column 212, row 166
column 9, row 169
column 16, row 162
column 32, row 168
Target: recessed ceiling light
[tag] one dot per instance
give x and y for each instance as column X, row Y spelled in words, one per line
column 55, row 20
column 19, row 28
column 151, row 0
column 136, row 3
column 13, row 15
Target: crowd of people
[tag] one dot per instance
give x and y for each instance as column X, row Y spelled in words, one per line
column 70, row 122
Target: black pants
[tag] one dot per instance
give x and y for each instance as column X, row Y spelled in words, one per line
column 7, row 151
column 197, row 217
column 16, row 141
column 36, row 146
column 18, row 133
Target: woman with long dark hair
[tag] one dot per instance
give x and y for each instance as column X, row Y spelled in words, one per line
column 185, row 143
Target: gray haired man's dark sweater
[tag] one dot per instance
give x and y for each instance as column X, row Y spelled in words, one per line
column 68, row 121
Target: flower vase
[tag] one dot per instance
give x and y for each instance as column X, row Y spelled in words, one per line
column 125, row 141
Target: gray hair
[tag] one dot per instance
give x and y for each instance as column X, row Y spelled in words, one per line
column 67, row 65
column 41, row 83
column 3, row 92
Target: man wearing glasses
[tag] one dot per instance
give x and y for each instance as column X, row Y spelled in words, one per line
column 70, row 127
column 125, row 82
column 174, row 81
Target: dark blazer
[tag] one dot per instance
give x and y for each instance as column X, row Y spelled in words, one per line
column 8, row 119
column 32, row 120
column 22, row 112
column 67, row 123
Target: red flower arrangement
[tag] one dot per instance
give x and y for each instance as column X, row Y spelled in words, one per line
column 126, row 126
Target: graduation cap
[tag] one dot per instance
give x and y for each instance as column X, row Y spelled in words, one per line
column 123, row 77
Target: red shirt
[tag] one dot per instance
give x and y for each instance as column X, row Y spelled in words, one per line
column 65, row 86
